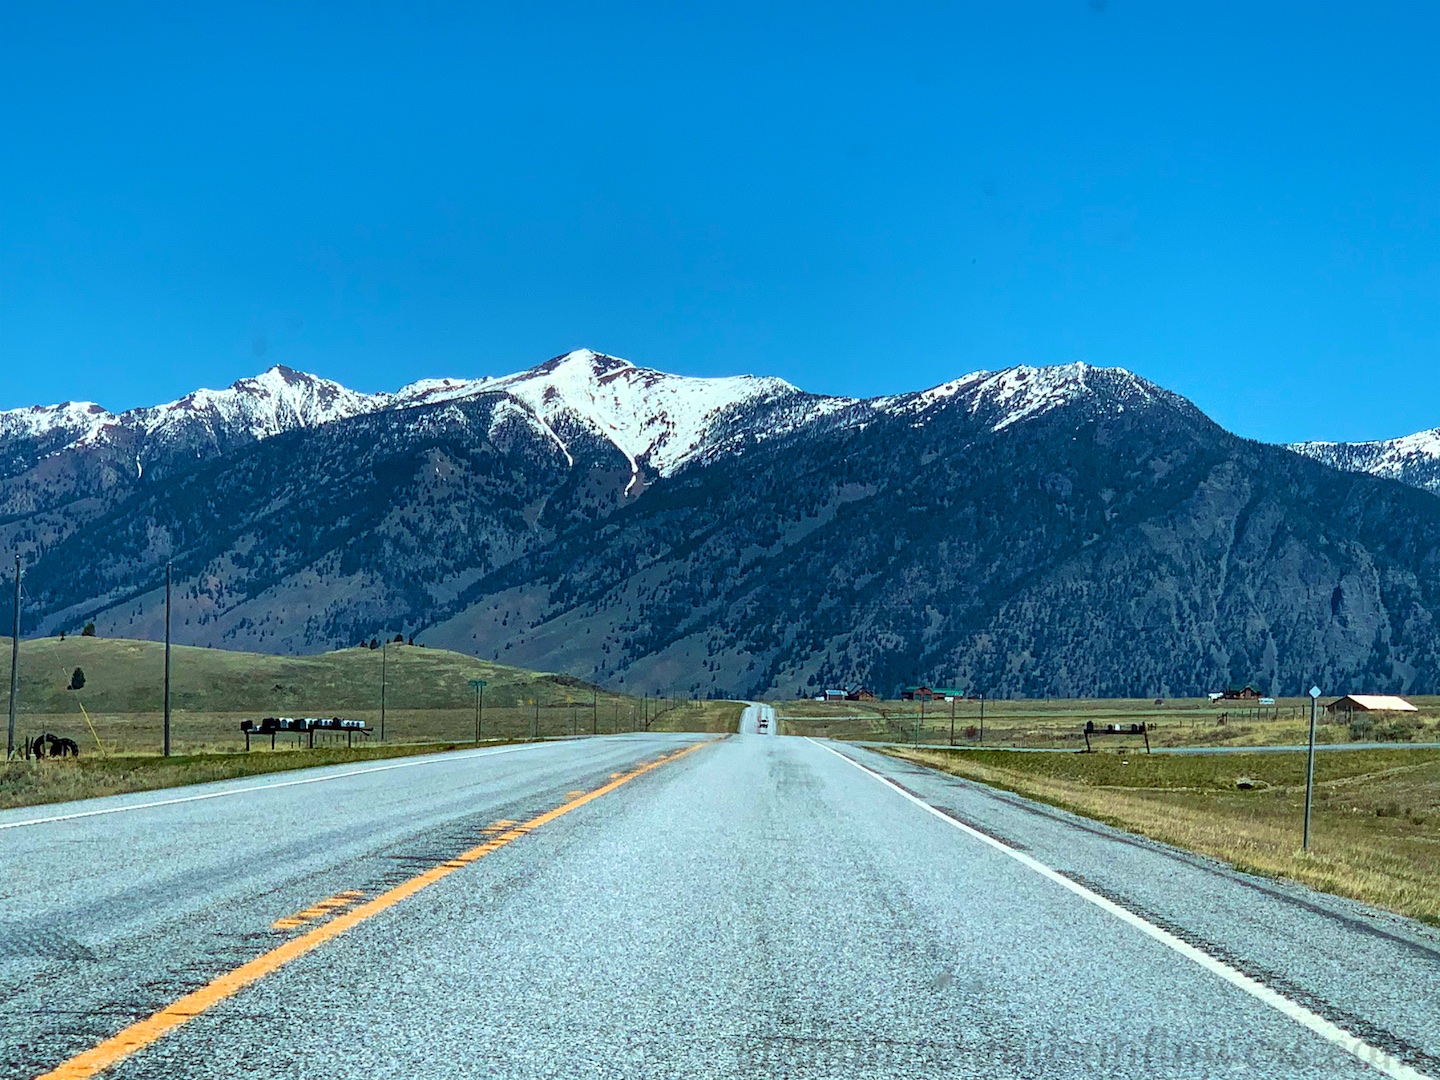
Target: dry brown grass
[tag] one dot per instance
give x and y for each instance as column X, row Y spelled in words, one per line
column 713, row 717
column 1058, row 723
column 1375, row 826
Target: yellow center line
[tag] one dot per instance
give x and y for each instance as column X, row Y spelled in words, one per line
column 144, row 1032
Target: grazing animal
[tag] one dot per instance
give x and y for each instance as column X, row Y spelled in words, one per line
column 62, row 747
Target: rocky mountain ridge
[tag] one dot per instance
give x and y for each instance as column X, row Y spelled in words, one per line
column 1069, row 530
column 1410, row 459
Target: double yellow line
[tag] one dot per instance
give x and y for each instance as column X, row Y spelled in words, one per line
column 144, row 1032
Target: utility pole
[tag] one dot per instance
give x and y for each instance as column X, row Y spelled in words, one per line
column 952, row 719
column 14, row 666
column 919, row 721
column 1310, row 768
column 594, row 711
column 167, row 659
column 982, row 717
column 479, row 685
column 384, row 647
column 535, row 728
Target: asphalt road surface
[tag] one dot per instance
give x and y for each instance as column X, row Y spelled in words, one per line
column 672, row 906
column 758, row 719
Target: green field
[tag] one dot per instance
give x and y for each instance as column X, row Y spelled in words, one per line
column 428, row 696
column 1058, row 723
column 1375, row 823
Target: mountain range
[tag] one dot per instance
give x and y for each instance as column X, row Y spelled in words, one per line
column 1072, row 531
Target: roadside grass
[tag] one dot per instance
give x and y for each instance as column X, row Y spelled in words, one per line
column 712, row 717
column 1057, row 723
column 428, row 696
column 1375, row 827
column 33, row 783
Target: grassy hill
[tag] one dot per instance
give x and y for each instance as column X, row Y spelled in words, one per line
column 427, row 691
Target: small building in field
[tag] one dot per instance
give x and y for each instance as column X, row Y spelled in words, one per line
column 1353, row 703
column 834, row 695
column 931, row 693
column 860, row 693
column 1241, row 693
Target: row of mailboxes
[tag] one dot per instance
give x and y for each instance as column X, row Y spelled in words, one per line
column 272, row 724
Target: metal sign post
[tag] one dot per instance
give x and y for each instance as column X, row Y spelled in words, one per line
column 478, row 685
column 1310, row 768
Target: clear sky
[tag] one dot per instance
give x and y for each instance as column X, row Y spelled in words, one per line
column 1237, row 200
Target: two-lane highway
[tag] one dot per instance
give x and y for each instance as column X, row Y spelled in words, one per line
column 659, row 906
column 115, row 907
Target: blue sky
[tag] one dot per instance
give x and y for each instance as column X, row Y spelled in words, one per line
column 1238, row 201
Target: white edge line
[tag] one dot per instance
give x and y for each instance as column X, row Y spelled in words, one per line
column 428, row 759
column 1371, row 1055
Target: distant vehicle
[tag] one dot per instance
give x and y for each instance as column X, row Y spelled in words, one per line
column 1267, row 701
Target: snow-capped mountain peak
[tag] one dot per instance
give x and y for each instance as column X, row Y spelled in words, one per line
column 659, row 421
column 280, row 399
column 76, row 419
column 1007, row 397
column 1022, row 392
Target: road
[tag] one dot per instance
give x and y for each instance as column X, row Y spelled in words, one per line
column 659, row 906
column 756, row 715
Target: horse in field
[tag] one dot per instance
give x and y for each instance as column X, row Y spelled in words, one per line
column 48, row 745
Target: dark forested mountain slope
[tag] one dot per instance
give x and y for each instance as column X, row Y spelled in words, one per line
column 1088, row 550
